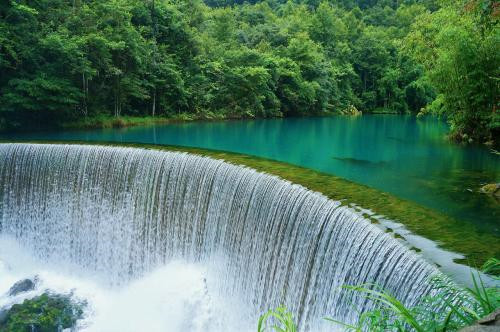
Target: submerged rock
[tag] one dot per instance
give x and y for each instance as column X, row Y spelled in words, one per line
column 22, row 286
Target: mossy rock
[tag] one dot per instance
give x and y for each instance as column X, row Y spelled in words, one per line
column 491, row 189
column 352, row 110
column 44, row 313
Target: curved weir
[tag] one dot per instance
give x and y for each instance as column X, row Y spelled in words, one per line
column 122, row 212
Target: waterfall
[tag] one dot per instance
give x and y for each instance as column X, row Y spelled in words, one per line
column 121, row 212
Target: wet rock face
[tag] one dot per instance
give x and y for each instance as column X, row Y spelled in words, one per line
column 22, row 286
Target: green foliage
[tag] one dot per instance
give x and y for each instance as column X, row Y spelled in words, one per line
column 63, row 61
column 44, row 313
column 448, row 308
column 282, row 321
column 458, row 46
column 69, row 61
column 380, row 319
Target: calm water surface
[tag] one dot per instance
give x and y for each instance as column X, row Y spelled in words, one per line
column 405, row 156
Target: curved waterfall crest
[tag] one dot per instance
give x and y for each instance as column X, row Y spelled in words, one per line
column 121, row 212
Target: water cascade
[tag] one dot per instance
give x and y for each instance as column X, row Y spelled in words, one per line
column 121, row 213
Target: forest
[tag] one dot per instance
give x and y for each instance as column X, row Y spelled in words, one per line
column 66, row 61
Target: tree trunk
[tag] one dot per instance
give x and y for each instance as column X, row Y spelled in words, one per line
column 117, row 97
column 154, row 103
column 85, row 94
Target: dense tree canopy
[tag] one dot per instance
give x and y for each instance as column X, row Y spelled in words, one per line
column 459, row 47
column 62, row 60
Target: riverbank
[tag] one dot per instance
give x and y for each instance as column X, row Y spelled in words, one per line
column 104, row 121
column 448, row 232
column 108, row 121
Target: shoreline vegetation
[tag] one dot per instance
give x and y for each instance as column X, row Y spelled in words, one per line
column 450, row 234
column 105, row 121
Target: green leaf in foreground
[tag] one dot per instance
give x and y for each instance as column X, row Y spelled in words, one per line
column 281, row 321
column 448, row 308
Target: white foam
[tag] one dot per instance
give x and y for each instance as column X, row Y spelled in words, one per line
column 175, row 297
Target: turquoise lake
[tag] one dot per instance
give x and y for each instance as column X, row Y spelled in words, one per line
column 402, row 155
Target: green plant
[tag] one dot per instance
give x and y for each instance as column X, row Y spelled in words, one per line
column 448, row 308
column 282, row 321
column 381, row 319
